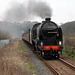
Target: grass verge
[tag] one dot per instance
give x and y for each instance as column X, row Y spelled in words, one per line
column 28, row 64
column 15, row 60
column 69, row 52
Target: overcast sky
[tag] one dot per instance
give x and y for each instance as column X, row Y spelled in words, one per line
column 62, row 10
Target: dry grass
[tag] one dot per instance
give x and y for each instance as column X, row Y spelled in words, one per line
column 69, row 41
column 69, row 46
column 13, row 60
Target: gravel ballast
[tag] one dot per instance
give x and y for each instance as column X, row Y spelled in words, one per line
column 40, row 67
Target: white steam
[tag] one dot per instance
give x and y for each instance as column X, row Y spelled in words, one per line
column 21, row 12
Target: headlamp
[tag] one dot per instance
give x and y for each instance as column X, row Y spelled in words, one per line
column 59, row 42
column 41, row 43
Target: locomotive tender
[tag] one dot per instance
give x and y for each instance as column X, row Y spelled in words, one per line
column 46, row 38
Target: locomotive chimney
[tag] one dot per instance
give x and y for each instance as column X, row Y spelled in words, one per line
column 47, row 19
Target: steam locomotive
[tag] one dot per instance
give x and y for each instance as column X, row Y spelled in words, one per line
column 46, row 38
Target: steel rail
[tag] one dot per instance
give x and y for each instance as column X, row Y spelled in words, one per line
column 44, row 61
column 47, row 64
column 68, row 64
column 50, row 67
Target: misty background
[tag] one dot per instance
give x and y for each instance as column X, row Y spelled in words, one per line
column 19, row 17
column 22, row 12
column 16, row 19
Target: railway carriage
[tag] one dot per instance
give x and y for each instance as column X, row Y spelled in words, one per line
column 46, row 38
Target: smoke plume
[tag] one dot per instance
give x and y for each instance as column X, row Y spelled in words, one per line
column 21, row 12
column 40, row 9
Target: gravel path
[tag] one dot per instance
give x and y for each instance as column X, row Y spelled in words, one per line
column 41, row 69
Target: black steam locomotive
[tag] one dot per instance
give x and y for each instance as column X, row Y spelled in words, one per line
column 46, row 38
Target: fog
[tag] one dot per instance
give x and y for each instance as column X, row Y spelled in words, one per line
column 17, row 16
column 22, row 12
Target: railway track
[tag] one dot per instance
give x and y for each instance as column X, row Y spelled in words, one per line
column 58, row 67
column 61, row 67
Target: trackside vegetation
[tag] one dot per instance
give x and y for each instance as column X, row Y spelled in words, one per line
column 69, row 51
column 28, row 64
